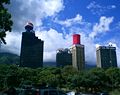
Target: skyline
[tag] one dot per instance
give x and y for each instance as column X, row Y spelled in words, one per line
column 55, row 21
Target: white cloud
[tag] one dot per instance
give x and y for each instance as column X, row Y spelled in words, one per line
column 97, row 45
column 13, row 45
column 93, row 5
column 70, row 22
column 102, row 26
column 112, row 44
column 33, row 10
column 52, row 41
column 118, row 55
column 98, row 9
column 112, row 7
column 43, row 7
column 90, row 48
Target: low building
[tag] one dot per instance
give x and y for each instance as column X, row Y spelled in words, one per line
column 63, row 57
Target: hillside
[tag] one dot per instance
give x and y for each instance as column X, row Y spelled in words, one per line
column 9, row 58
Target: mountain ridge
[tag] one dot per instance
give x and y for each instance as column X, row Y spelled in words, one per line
column 9, row 58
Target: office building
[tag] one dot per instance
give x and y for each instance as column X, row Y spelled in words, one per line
column 63, row 57
column 78, row 55
column 106, row 56
column 31, row 49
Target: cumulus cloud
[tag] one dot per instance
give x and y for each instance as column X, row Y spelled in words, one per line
column 42, row 7
column 33, row 10
column 13, row 45
column 90, row 48
column 118, row 55
column 97, row 45
column 70, row 22
column 98, row 9
column 52, row 41
column 83, row 31
column 102, row 26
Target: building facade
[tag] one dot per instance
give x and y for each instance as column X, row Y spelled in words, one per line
column 63, row 57
column 106, row 56
column 31, row 49
column 78, row 54
column 78, row 57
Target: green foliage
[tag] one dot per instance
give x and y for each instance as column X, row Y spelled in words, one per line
column 94, row 80
column 113, row 75
column 5, row 20
column 67, row 73
column 115, row 92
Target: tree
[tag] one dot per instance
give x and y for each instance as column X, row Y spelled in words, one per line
column 114, row 78
column 98, row 80
column 67, row 73
column 5, row 20
column 48, row 76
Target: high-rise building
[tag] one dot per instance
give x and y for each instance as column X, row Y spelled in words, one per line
column 63, row 57
column 78, row 54
column 106, row 56
column 31, row 49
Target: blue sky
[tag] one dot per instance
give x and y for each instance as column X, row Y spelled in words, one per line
column 91, row 11
column 55, row 21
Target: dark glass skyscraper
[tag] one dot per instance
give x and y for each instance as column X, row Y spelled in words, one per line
column 106, row 57
column 31, row 49
column 63, row 57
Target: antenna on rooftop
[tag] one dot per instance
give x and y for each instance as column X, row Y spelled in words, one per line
column 110, row 44
column 29, row 27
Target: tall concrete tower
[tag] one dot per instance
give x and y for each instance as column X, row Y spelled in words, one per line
column 31, row 49
column 78, row 55
column 106, row 56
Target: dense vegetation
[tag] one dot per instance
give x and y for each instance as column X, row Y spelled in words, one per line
column 68, row 78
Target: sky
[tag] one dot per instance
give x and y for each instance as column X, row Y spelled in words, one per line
column 55, row 21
